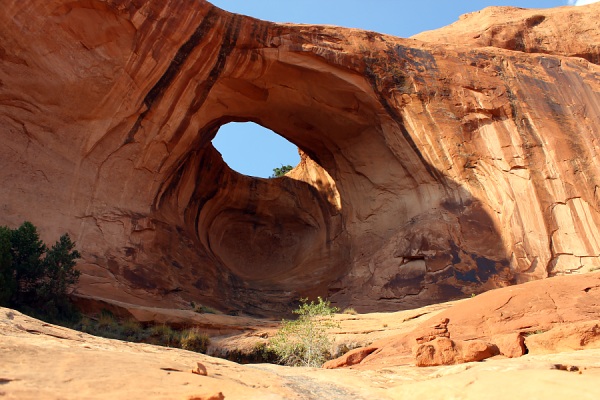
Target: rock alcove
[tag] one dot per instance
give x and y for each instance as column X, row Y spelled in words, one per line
column 428, row 171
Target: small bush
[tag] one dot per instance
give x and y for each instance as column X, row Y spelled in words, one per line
column 349, row 311
column 106, row 320
column 85, row 324
column 164, row 335
column 132, row 330
column 304, row 342
column 202, row 309
column 279, row 172
column 193, row 340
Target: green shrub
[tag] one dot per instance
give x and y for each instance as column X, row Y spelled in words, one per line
column 132, row 330
column 106, row 320
column 193, row 340
column 106, row 326
column 278, row 172
column 85, row 324
column 202, row 309
column 163, row 335
column 8, row 283
column 305, row 342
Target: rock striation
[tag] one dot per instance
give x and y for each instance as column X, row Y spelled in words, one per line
column 433, row 167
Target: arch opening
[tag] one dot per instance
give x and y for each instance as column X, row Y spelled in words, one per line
column 252, row 150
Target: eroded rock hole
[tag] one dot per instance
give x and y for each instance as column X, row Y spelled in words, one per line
column 268, row 235
column 253, row 150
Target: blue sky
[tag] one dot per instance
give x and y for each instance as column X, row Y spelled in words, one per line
column 252, row 150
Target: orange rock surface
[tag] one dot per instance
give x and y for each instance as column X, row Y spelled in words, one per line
column 40, row 360
column 550, row 316
column 429, row 171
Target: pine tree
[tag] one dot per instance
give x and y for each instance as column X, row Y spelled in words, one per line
column 33, row 277
column 27, row 251
column 8, row 283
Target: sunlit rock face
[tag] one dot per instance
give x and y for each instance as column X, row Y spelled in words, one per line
column 462, row 161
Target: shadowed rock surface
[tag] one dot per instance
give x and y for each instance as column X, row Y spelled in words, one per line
column 429, row 170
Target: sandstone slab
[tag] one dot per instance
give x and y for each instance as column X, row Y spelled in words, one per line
column 45, row 361
column 568, row 337
column 429, row 170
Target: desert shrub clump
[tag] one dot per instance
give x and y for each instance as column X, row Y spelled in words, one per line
column 34, row 278
column 107, row 325
column 194, row 340
column 349, row 311
column 202, row 309
column 305, row 341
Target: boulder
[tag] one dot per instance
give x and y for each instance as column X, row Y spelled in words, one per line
column 510, row 345
column 350, row 358
column 444, row 351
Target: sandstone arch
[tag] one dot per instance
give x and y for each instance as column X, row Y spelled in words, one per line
column 427, row 171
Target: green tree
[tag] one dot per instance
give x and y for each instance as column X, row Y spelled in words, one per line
column 34, row 278
column 277, row 172
column 305, row 341
column 59, row 275
column 27, row 250
column 8, row 283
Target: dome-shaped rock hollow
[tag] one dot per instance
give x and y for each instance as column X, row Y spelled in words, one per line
column 430, row 169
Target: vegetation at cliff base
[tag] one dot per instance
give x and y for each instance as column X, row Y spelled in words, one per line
column 35, row 278
column 305, row 341
column 106, row 324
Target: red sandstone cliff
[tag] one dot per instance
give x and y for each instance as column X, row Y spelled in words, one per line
column 461, row 161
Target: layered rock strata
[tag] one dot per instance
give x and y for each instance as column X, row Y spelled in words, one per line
column 429, row 171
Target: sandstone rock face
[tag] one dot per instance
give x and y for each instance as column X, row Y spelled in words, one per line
column 429, row 170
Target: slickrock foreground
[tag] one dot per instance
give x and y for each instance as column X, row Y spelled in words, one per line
column 463, row 161
column 44, row 361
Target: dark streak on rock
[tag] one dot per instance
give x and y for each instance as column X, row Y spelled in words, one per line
column 227, row 46
column 180, row 58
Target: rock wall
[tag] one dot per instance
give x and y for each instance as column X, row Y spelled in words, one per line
column 432, row 168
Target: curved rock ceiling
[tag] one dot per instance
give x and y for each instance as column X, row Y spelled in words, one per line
column 429, row 171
